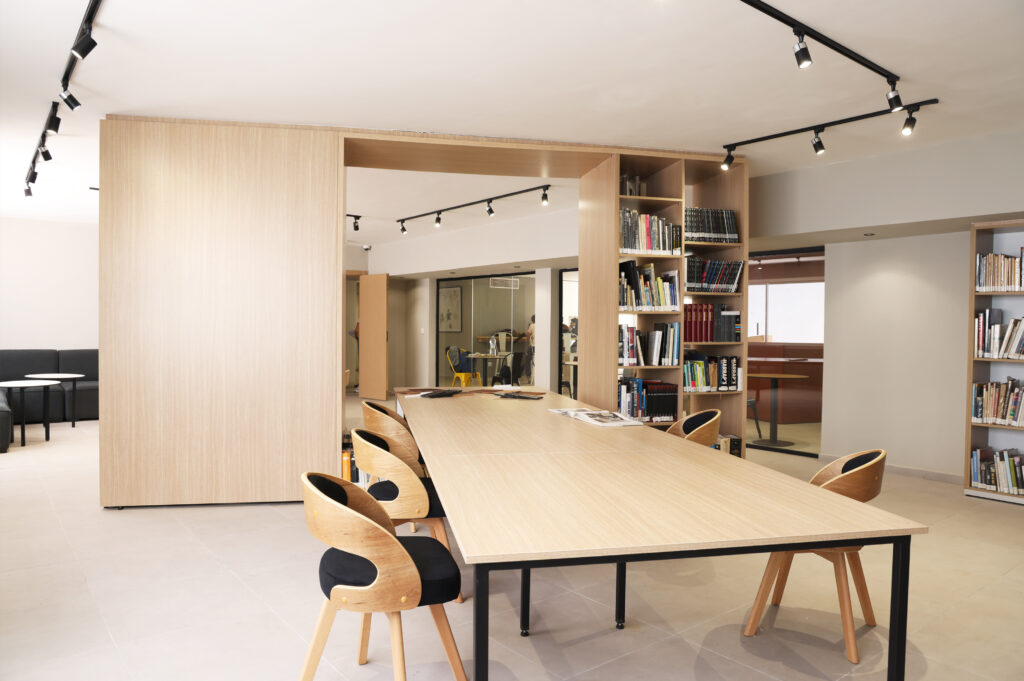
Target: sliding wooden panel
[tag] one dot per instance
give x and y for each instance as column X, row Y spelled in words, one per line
column 373, row 336
column 219, row 279
column 598, row 289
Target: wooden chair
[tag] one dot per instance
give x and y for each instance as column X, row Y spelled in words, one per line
column 403, row 491
column 464, row 377
column 369, row 569
column 379, row 418
column 858, row 476
column 701, row 427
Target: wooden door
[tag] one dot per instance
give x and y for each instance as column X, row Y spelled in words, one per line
column 373, row 336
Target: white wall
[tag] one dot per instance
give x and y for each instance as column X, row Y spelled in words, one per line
column 895, row 353
column 49, row 284
column 546, row 330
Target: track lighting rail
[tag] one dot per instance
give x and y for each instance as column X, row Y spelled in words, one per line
column 543, row 188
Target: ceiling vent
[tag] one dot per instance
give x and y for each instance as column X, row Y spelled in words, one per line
column 504, row 282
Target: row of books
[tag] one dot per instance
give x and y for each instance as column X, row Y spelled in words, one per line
column 704, row 373
column 648, row 400
column 713, row 225
column 349, row 470
column 994, row 339
column 641, row 288
column 998, row 272
column 711, row 323
column 649, row 234
column 997, row 403
column 997, row 471
column 657, row 347
column 713, row 276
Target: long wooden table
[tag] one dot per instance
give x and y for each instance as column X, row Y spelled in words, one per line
column 525, row 488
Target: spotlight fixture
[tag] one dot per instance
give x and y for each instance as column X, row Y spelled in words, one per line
column 355, row 220
column 544, row 197
column 84, row 45
column 53, row 120
column 437, row 220
column 908, row 125
column 727, row 161
column 403, row 230
column 800, row 51
column 489, row 200
column 45, row 153
column 69, row 98
column 30, row 178
column 892, row 97
column 28, row 190
column 490, row 211
column 819, row 146
column 367, row 247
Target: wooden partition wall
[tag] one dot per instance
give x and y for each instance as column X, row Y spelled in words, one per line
column 222, row 285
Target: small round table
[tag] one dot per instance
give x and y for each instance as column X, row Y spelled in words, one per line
column 21, row 385
column 773, row 431
column 74, row 388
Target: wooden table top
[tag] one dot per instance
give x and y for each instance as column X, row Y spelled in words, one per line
column 521, row 483
column 776, row 376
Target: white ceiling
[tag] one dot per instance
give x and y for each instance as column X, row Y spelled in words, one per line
column 679, row 74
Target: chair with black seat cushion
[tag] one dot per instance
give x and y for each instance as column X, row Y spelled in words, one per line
column 369, row 569
column 403, row 490
column 701, row 427
column 858, row 476
column 379, row 418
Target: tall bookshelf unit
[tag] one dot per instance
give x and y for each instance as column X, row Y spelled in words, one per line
column 672, row 183
column 1006, row 237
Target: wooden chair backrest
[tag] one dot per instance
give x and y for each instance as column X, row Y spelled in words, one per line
column 373, row 455
column 863, row 482
column 706, row 434
column 356, row 523
column 385, row 421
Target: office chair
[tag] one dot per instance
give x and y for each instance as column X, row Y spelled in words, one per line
column 463, row 376
column 369, row 569
column 379, row 418
column 403, row 491
column 858, row 476
column 700, row 427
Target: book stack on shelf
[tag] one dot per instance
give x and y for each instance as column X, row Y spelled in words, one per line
column 711, row 323
column 645, row 234
column 997, row 403
column 704, row 373
column 711, row 225
column 657, row 347
column 647, row 400
column 995, row 272
column 995, row 340
column 712, row 276
column 642, row 289
column 997, row 471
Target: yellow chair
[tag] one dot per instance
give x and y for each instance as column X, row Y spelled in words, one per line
column 701, row 427
column 464, row 376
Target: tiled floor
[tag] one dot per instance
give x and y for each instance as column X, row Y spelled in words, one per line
column 230, row 592
column 806, row 437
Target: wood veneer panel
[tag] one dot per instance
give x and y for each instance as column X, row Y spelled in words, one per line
column 373, row 336
column 219, row 267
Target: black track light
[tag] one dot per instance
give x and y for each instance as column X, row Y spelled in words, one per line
column 544, row 197
column 800, row 51
column 437, row 220
column 355, row 225
column 402, row 229
column 28, row 190
column 32, row 175
column 908, row 125
column 84, row 45
column 728, row 160
column 819, row 146
column 892, row 97
column 53, row 120
column 70, row 99
column 45, row 153
column 490, row 211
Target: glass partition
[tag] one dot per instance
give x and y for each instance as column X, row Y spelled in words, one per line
column 569, row 300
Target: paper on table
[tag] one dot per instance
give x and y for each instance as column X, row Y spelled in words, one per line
column 597, row 417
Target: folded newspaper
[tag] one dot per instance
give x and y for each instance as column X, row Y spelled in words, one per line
column 597, row 417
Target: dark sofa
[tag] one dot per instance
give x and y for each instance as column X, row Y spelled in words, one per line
column 14, row 364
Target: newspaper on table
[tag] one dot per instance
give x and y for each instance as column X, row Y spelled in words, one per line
column 597, row 417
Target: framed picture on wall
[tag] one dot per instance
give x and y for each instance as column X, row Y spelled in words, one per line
column 449, row 309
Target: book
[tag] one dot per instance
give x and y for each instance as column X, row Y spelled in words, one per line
column 995, row 272
column 658, row 346
column 994, row 339
column 648, row 400
column 648, row 234
column 997, row 403
column 710, row 225
column 597, row 417
column 643, row 289
column 711, row 323
column 712, row 276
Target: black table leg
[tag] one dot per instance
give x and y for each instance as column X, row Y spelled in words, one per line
column 773, row 419
column 74, row 401
column 46, row 411
column 620, row 595
column 898, row 609
column 10, row 401
column 575, row 380
column 21, row 396
column 524, row 602
column 481, row 598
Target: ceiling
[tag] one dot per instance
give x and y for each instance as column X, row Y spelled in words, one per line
column 677, row 74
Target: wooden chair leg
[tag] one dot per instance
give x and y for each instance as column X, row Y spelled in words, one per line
column 364, row 638
column 780, row 581
column 862, row 587
column 397, row 646
column 770, row 571
column 438, row 532
column 316, row 646
column 846, row 608
column 444, row 630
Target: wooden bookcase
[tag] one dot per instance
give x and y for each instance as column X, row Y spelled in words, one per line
column 673, row 183
column 1006, row 237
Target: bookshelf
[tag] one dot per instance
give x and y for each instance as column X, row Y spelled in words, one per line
column 1004, row 237
column 669, row 183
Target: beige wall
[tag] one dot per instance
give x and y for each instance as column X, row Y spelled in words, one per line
column 49, row 278
column 895, row 359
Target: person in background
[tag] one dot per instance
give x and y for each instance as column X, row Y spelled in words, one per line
column 531, row 332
